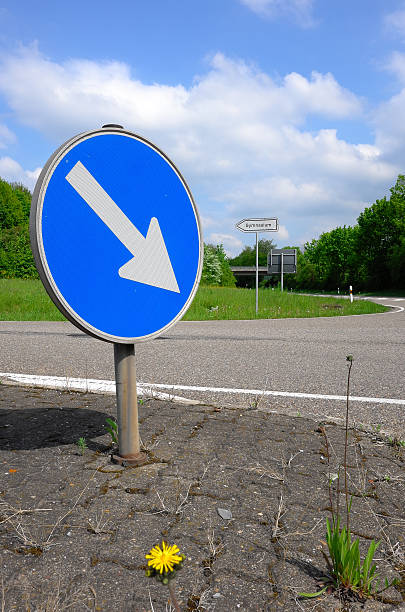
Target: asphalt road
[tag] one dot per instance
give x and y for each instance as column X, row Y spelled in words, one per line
column 289, row 355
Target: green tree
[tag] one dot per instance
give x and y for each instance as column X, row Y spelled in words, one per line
column 381, row 232
column 305, row 276
column 211, row 272
column 227, row 277
column 247, row 257
column 11, row 208
column 397, row 264
column 334, row 257
column 396, row 257
column 24, row 195
column 16, row 259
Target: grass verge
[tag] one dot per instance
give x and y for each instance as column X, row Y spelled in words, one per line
column 229, row 303
column 26, row 300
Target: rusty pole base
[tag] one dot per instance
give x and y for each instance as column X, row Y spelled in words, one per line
column 130, row 460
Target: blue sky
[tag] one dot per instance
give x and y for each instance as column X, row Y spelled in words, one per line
column 270, row 108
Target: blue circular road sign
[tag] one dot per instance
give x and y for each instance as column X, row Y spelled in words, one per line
column 116, row 236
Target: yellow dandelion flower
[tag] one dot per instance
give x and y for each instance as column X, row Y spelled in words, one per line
column 164, row 559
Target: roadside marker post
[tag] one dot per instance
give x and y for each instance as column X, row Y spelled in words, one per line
column 117, row 242
column 351, row 293
column 257, row 225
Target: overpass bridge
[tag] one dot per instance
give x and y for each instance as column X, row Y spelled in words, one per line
column 246, row 275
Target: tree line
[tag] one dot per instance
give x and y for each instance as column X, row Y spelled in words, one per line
column 369, row 255
column 16, row 259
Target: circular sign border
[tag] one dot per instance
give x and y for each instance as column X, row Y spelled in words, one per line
column 39, row 251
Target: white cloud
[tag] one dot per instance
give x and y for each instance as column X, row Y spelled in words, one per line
column 389, row 117
column 274, row 194
column 282, row 233
column 6, row 136
column 299, row 10
column 238, row 136
column 57, row 98
column 395, row 22
column 207, row 221
column 396, row 65
column 390, row 127
column 232, row 244
column 10, row 170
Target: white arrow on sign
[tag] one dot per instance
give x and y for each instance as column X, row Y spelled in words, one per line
column 150, row 264
column 258, row 225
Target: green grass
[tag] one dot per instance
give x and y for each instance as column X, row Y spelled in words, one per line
column 400, row 293
column 26, row 300
column 228, row 303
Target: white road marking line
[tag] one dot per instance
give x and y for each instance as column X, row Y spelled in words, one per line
column 108, row 386
column 396, row 311
column 387, row 298
column 88, row 385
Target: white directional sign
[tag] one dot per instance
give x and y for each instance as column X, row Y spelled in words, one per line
column 258, row 225
column 116, row 236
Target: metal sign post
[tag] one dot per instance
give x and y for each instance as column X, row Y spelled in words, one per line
column 127, row 404
column 282, row 270
column 257, row 272
column 111, row 252
column 257, row 225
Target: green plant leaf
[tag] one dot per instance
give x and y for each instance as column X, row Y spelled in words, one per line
column 112, row 423
column 369, row 557
column 112, row 428
column 313, row 594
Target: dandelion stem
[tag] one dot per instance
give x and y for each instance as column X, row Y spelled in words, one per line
column 323, row 430
column 350, row 359
column 173, row 598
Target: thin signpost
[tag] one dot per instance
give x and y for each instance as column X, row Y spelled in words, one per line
column 109, row 251
column 257, row 272
column 282, row 271
column 257, row 226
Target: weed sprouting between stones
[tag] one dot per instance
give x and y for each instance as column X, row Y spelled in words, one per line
column 112, row 429
column 396, row 442
column 81, row 445
column 112, row 426
column 348, row 576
